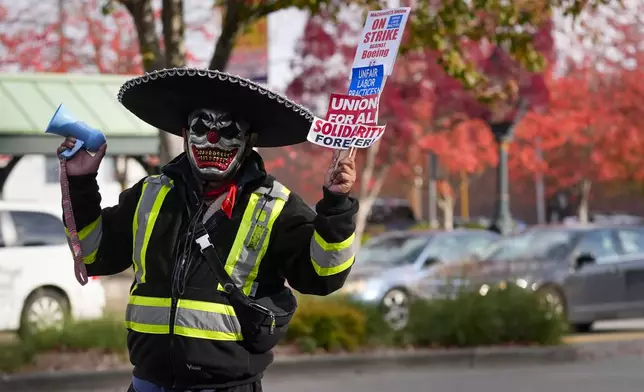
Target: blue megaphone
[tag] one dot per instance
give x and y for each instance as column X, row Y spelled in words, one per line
column 64, row 124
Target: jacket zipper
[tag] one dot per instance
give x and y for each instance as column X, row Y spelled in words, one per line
column 174, row 300
column 175, row 294
column 173, row 311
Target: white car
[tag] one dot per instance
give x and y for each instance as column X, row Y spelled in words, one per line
column 38, row 288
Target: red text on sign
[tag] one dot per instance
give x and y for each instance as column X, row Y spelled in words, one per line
column 379, row 24
column 328, row 128
column 380, row 36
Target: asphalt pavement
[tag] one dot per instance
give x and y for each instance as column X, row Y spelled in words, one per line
column 620, row 374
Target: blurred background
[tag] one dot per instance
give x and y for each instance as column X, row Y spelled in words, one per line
column 512, row 155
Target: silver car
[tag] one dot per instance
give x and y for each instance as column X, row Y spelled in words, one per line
column 394, row 267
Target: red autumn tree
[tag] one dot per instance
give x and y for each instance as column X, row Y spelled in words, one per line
column 590, row 132
column 420, row 102
column 457, row 126
column 38, row 36
column 326, row 52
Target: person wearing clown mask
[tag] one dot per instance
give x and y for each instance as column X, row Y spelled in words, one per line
column 215, row 242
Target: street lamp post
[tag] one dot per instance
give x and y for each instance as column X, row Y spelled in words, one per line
column 503, row 131
column 502, row 222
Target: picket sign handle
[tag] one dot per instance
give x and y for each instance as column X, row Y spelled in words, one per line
column 353, row 150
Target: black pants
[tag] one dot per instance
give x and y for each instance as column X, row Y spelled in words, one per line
column 255, row 386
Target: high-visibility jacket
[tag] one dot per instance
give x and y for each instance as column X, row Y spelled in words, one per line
column 182, row 331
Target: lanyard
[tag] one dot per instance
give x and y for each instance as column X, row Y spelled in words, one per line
column 68, row 214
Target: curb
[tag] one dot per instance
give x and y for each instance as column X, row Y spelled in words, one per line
column 480, row 357
column 469, row 357
column 285, row 366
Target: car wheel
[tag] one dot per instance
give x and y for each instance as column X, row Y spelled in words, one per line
column 44, row 309
column 395, row 306
column 555, row 299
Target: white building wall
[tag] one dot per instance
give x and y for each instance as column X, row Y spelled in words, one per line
column 35, row 179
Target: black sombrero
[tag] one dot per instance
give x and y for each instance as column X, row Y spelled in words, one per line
column 165, row 98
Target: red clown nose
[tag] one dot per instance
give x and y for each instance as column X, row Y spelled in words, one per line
column 213, row 137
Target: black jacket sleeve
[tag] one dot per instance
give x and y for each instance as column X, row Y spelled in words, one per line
column 315, row 251
column 105, row 234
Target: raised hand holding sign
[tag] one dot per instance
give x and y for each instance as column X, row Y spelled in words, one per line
column 341, row 176
column 352, row 120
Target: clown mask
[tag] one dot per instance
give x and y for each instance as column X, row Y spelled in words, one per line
column 215, row 144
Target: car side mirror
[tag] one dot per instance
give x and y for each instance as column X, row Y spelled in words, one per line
column 583, row 259
column 430, row 261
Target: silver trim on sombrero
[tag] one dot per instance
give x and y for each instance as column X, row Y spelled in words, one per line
column 162, row 73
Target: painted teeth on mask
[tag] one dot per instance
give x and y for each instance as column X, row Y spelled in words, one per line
column 213, row 156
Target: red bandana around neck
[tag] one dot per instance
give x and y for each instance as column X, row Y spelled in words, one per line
column 229, row 202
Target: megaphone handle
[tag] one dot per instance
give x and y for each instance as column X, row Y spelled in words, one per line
column 68, row 213
column 70, row 152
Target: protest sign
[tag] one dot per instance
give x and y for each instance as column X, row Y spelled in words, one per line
column 367, row 80
column 349, row 109
column 380, row 39
column 341, row 136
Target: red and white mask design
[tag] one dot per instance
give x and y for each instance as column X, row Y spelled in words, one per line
column 215, row 144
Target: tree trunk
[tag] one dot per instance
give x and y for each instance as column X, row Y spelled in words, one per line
column 366, row 202
column 120, row 170
column 584, row 201
column 175, row 56
column 173, row 33
column 230, row 25
column 446, row 203
column 367, row 196
column 416, row 192
column 143, row 16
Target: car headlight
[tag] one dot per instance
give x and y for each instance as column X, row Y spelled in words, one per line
column 354, row 287
column 522, row 283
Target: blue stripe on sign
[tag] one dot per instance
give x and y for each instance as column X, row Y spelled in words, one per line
column 367, row 80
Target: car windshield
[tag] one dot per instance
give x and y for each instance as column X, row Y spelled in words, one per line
column 392, row 251
column 535, row 244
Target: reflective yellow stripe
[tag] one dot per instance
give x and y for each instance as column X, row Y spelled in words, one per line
column 196, row 319
column 148, row 328
column 90, row 239
column 238, row 245
column 277, row 209
column 203, row 334
column 87, row 229
column 154, row 214
column 135, row 230
column 328, row 271
column 90, row 258
column 148, row 314
column 206, row 306
column 150, row 301
column 332, row 258
column 154, row 191
column 251, row 241
column 331, row 246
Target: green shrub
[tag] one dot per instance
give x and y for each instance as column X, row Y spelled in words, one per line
column 504, row 316
column 15, row 355
column 329, row 324
column 108, row 334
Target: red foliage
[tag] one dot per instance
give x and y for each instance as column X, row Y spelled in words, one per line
column 424, row 109
column 592, row 128
column 37, row 38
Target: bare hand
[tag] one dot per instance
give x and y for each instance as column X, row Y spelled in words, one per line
column 342, row 178
column 82, row 162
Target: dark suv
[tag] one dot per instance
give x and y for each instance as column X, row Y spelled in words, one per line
column 589, row 273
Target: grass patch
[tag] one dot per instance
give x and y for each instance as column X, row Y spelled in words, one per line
column 107, row 334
